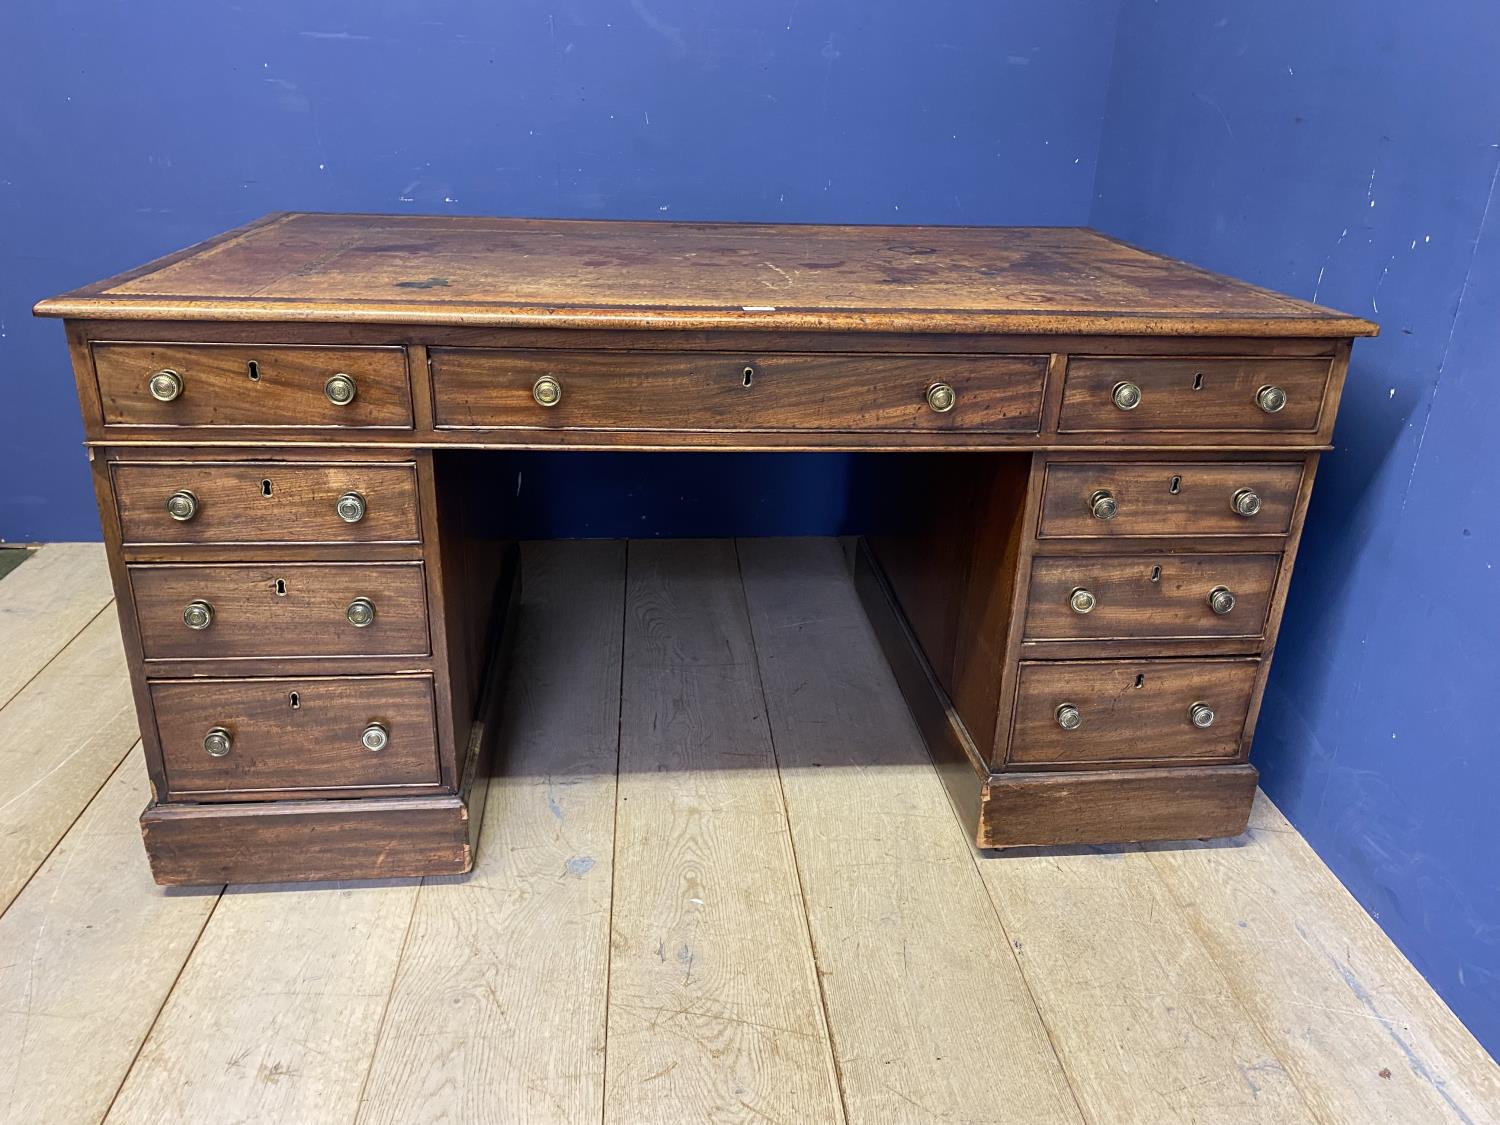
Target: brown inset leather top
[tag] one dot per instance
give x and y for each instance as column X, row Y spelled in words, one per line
column 492, row 272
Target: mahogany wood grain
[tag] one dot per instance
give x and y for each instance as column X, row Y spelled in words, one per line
column 295, row 737
column 1133, row 711
column 382, row 269
column 1115, row 806
column 744, row 391
column 1193, row 394
column 272, row 610
column 1160, row 596
column 1168, row 498
column 266, row 502
column 272, row 385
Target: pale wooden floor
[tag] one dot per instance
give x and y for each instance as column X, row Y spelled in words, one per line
column 718, row 880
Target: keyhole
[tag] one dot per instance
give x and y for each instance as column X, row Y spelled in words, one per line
column 1156, row 574
column 1176, row 486
column 749, row 375
column 1140, row 679
column 295, row 700
column 252, row 369
column 265, row 488
column 1198, row 381
column 281, row 587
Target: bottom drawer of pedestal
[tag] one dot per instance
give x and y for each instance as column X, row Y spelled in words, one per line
column 1111, row 712
column 257, row 739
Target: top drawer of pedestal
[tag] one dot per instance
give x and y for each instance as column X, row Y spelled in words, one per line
column 482, row 388
column 281, row 386
column 1254, row 394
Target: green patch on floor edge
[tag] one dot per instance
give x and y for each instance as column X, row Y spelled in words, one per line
column 12, row 557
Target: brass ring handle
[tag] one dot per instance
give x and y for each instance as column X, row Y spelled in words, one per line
column 1068, row 717
column 198, row 615
column 941, row 397
column 1221, row 600
column 1244, row 502
column 218, row 742
column 360, row 612
column 340, row 389
column 165, row 385
column 1125, row 396
column 1201, row 715
column 547, row 391
column 182, row 505
column 1270, row 398
column 375, row 737
column 1103, row 505
column 1082, row 601
column 350, row 507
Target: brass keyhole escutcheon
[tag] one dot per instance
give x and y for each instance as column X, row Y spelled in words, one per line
column 547, row 391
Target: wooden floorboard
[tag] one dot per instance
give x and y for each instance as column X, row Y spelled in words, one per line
column 88, row 954
column 498, row 1011
column 919, row 981
column 714, row 1010
column 44, row 604
column 707, row 939
column 61, row 737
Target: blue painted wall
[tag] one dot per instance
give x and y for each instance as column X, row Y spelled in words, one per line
column 128, row 130
column 1346, row 150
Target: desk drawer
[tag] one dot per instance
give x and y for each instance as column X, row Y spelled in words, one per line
column 266, row 502
column 1258, row 395
column 295, row 737
column 706, row 391
column 291, row 610
column 227, row 385
column 1130, row 711
column 1160, row 596
column 1115, row 499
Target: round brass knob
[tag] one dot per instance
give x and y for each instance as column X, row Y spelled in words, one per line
column 361, row 612
column 350, row 507
column 1270, row 398
column 941, row 397
column 1103, row 505
column 1221, row 600
column 1068, row 716
column 1082, row 601
column 375, row 737
column 547, row 391
column 198, row 615
column 218, row 742
column 165, row 385
column 340, row 389
column 182, row 505
column 1126, row 396
column 1202, row 715
column 1245, row 503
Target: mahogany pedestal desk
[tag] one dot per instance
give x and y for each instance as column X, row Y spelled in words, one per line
column 312, row 557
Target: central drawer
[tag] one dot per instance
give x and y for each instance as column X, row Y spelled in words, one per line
column 295, row 737
column 1114, row 712
column 290, row 610
column 171, row 502
column 710, row 391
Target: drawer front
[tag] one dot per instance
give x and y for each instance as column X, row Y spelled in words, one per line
column 1167, row 498
column 266, row 502
column 295, row 734
column 1130, row 711
column 1193, row 394
column 268, row 610
column 707, row 391
column 1138, row 597
column 249, row 385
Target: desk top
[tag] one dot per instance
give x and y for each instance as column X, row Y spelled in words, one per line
column 493, row 272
